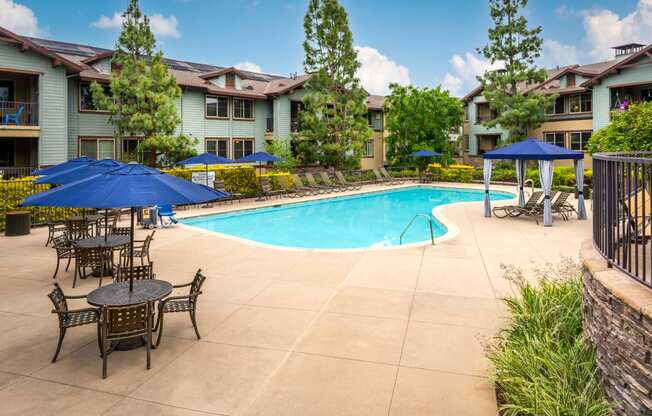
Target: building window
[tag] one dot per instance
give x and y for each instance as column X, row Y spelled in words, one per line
column 555, row 138
column 570, row 80
column 131, row 151
column 7, row 91
column 243, row 108
column 579, row 140
column 484, row 113
column 97, row 148
column 369, row 148
column 217, row 106
column 86, row 97
column 557, row 108
column 229, row 80
column 370, row 118
column 219, row 147
column 242, row 148
column 580, row 103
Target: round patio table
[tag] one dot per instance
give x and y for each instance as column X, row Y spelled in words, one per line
column 118, row 294
column 108, row 243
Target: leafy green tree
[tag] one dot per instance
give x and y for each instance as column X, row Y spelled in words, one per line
column 629, row 131
column 281, row 148
column 335, row 113
column 418, row 119
column 514, row 45
column 143, row 95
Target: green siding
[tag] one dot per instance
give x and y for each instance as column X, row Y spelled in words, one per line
column 602, row 94
column 376, row 122
column 51, row 99
column 282, row 116
column 479, row 129
column 84, row 124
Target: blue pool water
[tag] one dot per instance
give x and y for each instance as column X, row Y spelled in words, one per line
column 374, row 219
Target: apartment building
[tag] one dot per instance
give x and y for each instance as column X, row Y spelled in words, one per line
column 587, row 96
column 47, row 114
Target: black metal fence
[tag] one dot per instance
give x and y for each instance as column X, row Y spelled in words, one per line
column 622, row 212
column 12, row 192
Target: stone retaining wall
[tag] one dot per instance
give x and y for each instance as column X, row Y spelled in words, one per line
column 618, row 322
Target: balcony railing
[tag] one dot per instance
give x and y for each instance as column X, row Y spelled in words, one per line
column 622, row 212
column 16, row 113
column 15, row 172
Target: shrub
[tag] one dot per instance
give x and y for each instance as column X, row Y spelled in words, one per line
column 13, row 191
column 239, row 179
column 543, row 365
column 629, row 130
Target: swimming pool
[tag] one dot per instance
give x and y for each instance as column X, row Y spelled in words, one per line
column 358, row 221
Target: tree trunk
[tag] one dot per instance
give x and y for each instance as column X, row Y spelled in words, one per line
column 152, row 157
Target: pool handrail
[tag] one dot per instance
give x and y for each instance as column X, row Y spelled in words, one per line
column 428, row 218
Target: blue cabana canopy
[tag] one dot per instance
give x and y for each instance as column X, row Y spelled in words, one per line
column 83, row 160
column 81, row 171
column 205, row 159
column 259, row 157
column 425, row 153
column 544, row 153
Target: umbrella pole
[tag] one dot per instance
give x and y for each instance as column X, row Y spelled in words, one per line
column 260, row 181
column 131, row 252
column 106, row 223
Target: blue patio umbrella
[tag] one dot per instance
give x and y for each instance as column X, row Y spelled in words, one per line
column 130, row 186
column 259, row 157
column 83, row 160
column 205, row 159
column 81, row 171
column 425, row 153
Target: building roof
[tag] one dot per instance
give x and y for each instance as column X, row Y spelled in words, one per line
column 594, row 71
column 79, row 60
column 375, row 102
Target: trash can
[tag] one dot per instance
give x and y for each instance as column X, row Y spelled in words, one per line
column 18, row 223
column 148, row 217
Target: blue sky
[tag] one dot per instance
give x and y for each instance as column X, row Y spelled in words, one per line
column 425, row 43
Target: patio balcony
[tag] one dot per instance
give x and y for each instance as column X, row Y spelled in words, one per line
column 19, row 119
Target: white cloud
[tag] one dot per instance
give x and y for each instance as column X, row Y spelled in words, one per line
column 556, row 53
column 249, row 66
column 377, row 71
column 18, row 18
column 465, row 70
column 162, row 27
column 605, row 28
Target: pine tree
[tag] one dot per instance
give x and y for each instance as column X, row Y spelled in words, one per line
column 335, row 112
column 517, row 47
column 143, row 95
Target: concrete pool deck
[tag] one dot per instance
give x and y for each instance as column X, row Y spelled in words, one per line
column 284, row 332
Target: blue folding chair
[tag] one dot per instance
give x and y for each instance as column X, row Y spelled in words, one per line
column 13, row 117
column 166, row 212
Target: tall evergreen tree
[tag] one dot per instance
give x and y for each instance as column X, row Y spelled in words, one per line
column 335, row 111
column 517, row 47
column 143, row 95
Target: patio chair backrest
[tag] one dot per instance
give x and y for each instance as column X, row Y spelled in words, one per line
column 340, row 177
column 139, row 273
column 311, row 179
column 121, row 231
column 148, row 241
column 325, row 178
column 77, row 229
column 58, row 299
column 264, row 183
column 197, row 283
column 378, row 175
column 165, row 210
column 561, row 199
column 61, row 244
column 219, row 186
column 298, row 183
column 534, row 199
column 89, row 257
column 126, row 322
column 20, row 110
column 384, row 172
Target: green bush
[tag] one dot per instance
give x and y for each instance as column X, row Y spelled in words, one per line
column 543, row 365
column 628, row 131
column 241, row 179
column 13, row 191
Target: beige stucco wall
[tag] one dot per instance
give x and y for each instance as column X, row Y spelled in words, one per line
column 566, row 126
column 378, row 159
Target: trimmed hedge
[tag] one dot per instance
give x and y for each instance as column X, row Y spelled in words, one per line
column 237, row 179
column 452, row 173
column 13, row 191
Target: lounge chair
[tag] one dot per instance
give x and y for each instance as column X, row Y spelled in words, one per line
column 219, row 186
column 267, row 188
column 336, row 186
column 352, row 185
column 291, row 192
column 397, row 181
column 381, row 179
column 562, row 207
column 313, row 183
column 531, row 206
column 166, row 211
column 298, row 183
